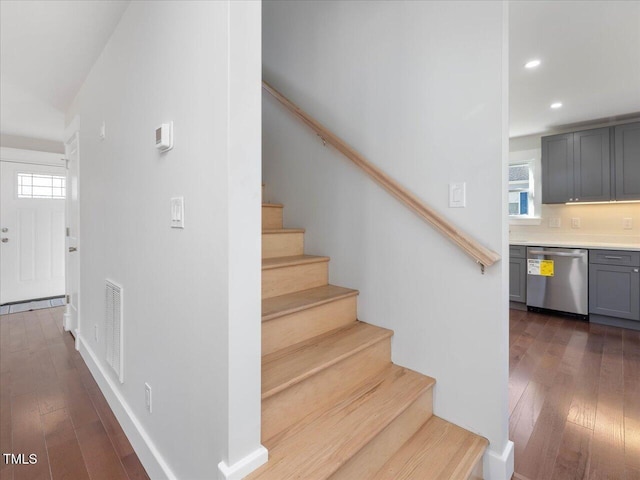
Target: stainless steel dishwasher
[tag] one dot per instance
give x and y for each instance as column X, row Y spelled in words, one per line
column 558, row 279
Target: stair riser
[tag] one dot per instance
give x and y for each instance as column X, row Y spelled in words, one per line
column 382, row 447
column 271, row 217
column 282, row 244
column 322, row 390
column 280, row 281
column 296, row 327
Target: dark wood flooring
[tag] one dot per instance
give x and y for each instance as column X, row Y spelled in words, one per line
column 574, row 399
column 50, row 406
column 574, row 402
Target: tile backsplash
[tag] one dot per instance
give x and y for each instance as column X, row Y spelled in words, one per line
column 592, row 223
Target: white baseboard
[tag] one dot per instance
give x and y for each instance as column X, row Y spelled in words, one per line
column 152, row 461
column 244, row 466
column 499, row 466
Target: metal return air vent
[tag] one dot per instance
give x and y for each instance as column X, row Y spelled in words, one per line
column 114, row 324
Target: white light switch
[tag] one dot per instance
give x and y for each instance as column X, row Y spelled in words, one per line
column 177, row 212
column 147, row 397
column 627, row 223
column 575, row 222
column 457, row 195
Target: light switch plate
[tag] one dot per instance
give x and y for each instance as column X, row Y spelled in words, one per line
column 457, row 195
column 627, row 223
column 177, row 212
column 575, row 222
column 147, row 397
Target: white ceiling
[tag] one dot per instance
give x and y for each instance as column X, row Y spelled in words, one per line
column 47, row 48
column 590, row 53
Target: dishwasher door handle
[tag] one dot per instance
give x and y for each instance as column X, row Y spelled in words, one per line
column 557, row 254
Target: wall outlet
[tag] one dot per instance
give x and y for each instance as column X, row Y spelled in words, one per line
column 554, row 222
column 147, row 396
column 575, row 222
column 627, row 223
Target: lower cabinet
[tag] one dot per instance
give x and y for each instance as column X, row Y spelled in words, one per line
column 517, row 273
column 614, row 287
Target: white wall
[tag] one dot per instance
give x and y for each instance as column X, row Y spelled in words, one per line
column 176, row 61
column 419, row 89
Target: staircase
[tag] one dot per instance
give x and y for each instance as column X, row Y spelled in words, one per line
column 333, row 404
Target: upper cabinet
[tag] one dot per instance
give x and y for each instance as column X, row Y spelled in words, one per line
column 557, row 168
column 627, row 163
column 595, row 165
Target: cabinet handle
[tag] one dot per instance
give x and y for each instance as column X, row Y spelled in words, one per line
column 611, row 257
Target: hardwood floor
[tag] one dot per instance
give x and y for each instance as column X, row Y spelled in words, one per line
column 574, row 399
column 50, row 406
column 574, row 402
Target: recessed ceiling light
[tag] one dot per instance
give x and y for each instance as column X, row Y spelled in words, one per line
column 556, row 105
column 532, row 64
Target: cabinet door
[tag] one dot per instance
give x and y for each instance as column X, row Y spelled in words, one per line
column 557, row 168
column 614, row 291
column 518, row 279
column 591, row 166
column 627, row 161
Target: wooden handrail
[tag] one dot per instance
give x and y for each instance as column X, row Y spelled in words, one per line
column 478, row 252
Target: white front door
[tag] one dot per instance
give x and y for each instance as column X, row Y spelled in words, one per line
column 32, row 219
column 72, row 150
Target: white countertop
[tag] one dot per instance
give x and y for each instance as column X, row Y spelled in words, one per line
column 578, row 244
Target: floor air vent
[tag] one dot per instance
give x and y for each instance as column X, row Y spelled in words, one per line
column 114, row 323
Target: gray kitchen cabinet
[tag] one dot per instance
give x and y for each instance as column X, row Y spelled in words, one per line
column 627, row 161
column 591, row 166
column 557, row 168
column 576, row 167
column 614, row 288
column 517, row 273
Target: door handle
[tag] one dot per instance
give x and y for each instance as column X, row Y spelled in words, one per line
column 5, row 240
column 73, row 249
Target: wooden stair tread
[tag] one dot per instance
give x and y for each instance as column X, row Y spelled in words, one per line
column 318, row 445
column 270, row 231
column 286, row 367
column 273, row 205
column 438, row 451
column 275, row 307
column 279, row 262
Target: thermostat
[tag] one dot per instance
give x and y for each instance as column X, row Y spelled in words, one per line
column 164, row 137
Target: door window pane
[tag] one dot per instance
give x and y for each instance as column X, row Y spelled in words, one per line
column 31, row 185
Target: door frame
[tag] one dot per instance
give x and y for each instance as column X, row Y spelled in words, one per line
column 71, row 131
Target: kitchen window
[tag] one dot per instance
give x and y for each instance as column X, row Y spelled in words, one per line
column 521, row 190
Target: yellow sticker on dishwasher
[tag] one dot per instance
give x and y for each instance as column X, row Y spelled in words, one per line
column 540, row 267
column 546, row 268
